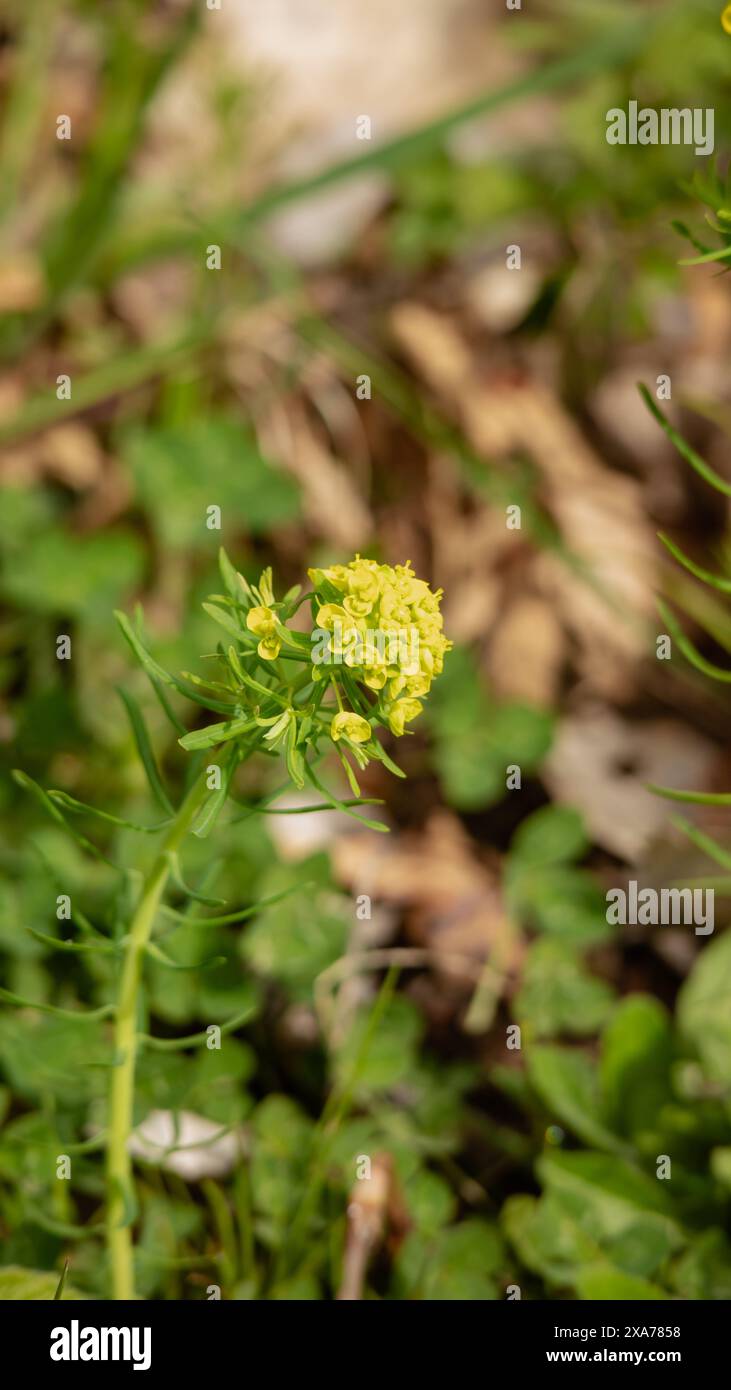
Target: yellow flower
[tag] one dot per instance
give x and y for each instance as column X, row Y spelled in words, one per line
column 363, row 581
column 418, row 685
column 337, row 575
column 401, row 713
column 346, row 724
column 261, row 621
column 376, row 679
column 269, row 648
column 358, row 607
column 386, row 618
column 330, row 614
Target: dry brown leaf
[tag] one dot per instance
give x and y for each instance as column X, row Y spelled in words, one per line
column 22, row 284
column 333, row 508
column 467, row 549
column 434, row 345
column 69, row 453
column 527, row 653
column 452, row 903
column 599, row 511
column 601, row 764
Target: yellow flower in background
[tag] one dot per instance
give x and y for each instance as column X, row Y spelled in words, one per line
column 726, row 19
column 346, row 724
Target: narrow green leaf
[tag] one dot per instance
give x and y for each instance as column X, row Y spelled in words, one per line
column 229, row 624
column 74, row 1015
column 28, row 784
column 722, row 254
column 66, row 1229
column 349, row 773
column 217, row 733
column 242, row 913
column 208, row 685
column 103, row 947
column 159, row 675
column 165, row 705
column 704, row 842
column 700, row 798
column 130, row 1205
column 78, row 918
column 684, row 231
column 716, row 580
column 178, row 881
column 690, row 652
column 157, row 954
column 384, row 758
column 684, row 449
column 212, row 807
column 193, row 1039
column 343, row 806
column 147, row 662
column 81, row 808
column 87, row 1146
column 245, row 679
column 295, row 759
column 145, row 750
column 59, row 1290
column 233, row 581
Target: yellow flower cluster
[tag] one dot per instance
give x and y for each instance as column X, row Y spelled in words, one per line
column 263, row 623
column 387, row 629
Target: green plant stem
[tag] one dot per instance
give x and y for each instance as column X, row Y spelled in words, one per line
column 121, row 1093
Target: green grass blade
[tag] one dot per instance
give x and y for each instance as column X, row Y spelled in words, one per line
column 59, row 1288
